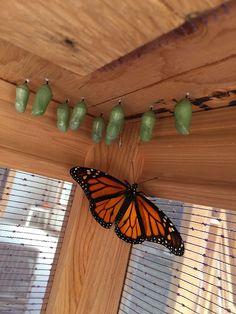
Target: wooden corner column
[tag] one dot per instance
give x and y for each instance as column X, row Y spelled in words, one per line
column 93, row 260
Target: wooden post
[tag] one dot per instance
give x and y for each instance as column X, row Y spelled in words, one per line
column 199, row 168
column 93, row 260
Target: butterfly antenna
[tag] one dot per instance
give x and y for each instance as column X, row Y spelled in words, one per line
column 154, row 178
column 132, row 165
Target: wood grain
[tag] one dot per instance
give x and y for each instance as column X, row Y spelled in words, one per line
column 164, row 68
column 93, row 261
column 83, row 36
column 20, row 160
column 24, row 138
column 17, row 64
column 168, row 59
column 198, row 83
column 199, row 168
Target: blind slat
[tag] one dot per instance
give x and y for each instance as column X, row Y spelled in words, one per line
column 33, row 214
column 201, row 281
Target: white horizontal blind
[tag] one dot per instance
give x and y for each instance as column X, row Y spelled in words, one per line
column 202, row 281
column 33, row 214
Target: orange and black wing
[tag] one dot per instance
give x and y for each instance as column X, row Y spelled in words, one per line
column 158, row 227
column 129, row 225
column 141, row 220
column 105, row 193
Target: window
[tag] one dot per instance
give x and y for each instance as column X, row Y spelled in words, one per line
column 202, row 281
column 33, row 216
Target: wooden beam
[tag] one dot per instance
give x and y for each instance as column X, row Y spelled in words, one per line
column 19, row 160
column 198, row 82
column 170, row 66
column 164, row 68
column 91, row 256
column 18, row 64
column 199, row 168
column 83, row 36
column 34, row 143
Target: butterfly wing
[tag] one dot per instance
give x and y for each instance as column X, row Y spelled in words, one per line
column 136, row 218
column 129, row 226
column 158, row 227
column 105, row 193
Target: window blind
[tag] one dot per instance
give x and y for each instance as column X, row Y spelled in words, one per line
column 33, row 215
column 202, row 281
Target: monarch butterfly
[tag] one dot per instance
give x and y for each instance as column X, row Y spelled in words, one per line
column 136, row 219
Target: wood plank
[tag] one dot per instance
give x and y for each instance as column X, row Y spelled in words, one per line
column 144, row 75
column 199, row 168
column 32, row 143
column 93, row 260
column 17, row 64
column 166, row 67
column 14, row 159
column 83, row 36
column 199, row 82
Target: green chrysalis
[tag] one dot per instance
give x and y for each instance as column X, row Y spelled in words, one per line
column 41, row 100
column 183, row 116
column 115, row 124
column 148, row 122
column 117, row 114
column 78, row 115
column 97, row 129
column 22, row 97
column 63, row 112
column 112, row 132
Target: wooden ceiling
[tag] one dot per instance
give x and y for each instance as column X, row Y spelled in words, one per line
column 76, row 45
column 82, row 36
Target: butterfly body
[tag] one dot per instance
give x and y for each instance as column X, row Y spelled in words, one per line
column 136, row 219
